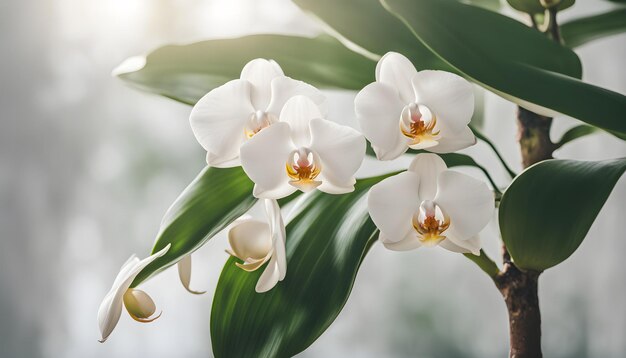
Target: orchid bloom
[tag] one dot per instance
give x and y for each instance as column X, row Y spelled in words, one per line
column 138, row 303
column 256, row 242
column 405, row 109
column 430, row 205
column 231, row 114
column 302, row 151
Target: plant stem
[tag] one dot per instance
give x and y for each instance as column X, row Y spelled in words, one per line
column 519, row 288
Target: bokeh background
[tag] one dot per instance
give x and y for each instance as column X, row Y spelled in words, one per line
column 88, row 166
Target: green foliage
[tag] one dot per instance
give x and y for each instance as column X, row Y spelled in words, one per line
column 326, row 243
column 187, row 72
column 575, row 133
column 214, row 199
column 535, row 7
column 581, row 31
column 366, row 24
column 511, row 60
column 547, row 211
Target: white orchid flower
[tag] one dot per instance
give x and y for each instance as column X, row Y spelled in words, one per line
column 303, row 151
column 184, row 273
column 429, row 205
column 229, row 115
column 256, row 242
column 419, row 110
column 138, row 303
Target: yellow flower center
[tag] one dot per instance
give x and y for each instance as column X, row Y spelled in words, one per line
column 418, row 123
column 430, row 222
column 302, row 168
column 258, row 121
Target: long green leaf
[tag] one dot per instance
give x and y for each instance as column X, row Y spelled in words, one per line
column 483, row 34
column 581, row 31
column 214, row 199
column 326, row 243
column 547, row 211
column 575, row 133
column 187, row 72
column 484, row 45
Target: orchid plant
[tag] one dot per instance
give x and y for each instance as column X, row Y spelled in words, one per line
column 416, row 65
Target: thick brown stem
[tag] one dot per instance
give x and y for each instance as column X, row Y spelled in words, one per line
column 519, row 288
column 534, row 137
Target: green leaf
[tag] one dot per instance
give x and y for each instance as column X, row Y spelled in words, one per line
column 547, row 211
column 366, row 25
column 484, row 45
column 187, row 72
column 575, row 133
column 326, row 243
column 580, row 31
column 475, row 32
column 493, row 5
column 214, row 199
column 535, row 7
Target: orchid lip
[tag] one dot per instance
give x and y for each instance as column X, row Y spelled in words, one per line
column 258, row 121
column 418, row 123
column 430, row 222
column 303, row 168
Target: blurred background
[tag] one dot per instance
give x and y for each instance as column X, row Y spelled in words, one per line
column 88, row 166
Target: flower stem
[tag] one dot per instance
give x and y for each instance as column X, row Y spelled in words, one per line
column 485, row 263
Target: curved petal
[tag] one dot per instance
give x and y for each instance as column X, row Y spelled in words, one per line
column 428, row 167
column 184, row 273
column 111, row 307
column 250, row 240
column 283, row 88
column 467, row 201
column 454, row 141
column 269, row 278
column 378, row 109
column 392, row 203
column 449, row 96
column 263, row 158
column 409, row 242
column 471, row 245
column 397, row 71
column 279, row 235
column 218, row 120
column 139, row 305
column 260, row 73
column 341, row 150
column 298, row 113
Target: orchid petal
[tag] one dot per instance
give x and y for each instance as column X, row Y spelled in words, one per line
column 467, row 201
column 263, row 158
column 448, row 96
column 378, row 109
column 184, row 273
column 260, row 73
column 410, row 242
column 471, row 245
column 139, row 305
column 392, row 203
column 454, row 141
column 341, row 150
column 428, row 167
column 395, row 70
column 298, row 113
column 111, row 306
column 218, row 121
column 279, row 235
column 283, row 88
column 250, row 240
